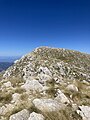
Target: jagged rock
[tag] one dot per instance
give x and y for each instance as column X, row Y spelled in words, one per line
column 47, row 105
column 61, row 97
column 72, row 88
column 84, row 111
column 36, row 116
column 22, row 115
column 33, row 85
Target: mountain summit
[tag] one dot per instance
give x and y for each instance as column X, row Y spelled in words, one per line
column 47, row 84
column 63, row 62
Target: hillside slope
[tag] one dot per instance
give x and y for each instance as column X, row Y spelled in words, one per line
column 53, row 83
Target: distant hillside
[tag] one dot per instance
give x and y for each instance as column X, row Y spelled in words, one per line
column 7, row 61
column 5, row 65
column 9, row 58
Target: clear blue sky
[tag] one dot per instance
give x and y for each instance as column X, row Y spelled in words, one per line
column 27, row 24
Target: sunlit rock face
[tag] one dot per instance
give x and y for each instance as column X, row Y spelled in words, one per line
column 46, row 83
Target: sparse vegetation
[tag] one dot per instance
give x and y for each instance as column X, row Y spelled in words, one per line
column 16, row 81
column 59, row 68
column 19, row 90
column 66, row 114
column 5, row 98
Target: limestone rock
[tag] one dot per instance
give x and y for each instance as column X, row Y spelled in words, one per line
column 22, row 115
column 84, row 111
column 33, row 85
column 36, row 116
column 61, row 97
column 47, row 105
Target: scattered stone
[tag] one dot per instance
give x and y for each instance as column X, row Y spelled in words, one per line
column 46, row 71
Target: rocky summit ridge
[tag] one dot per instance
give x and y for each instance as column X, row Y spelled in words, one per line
column 47, row 84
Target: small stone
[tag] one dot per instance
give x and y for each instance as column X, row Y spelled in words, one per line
column 72, row 88
column 22, row 115
column 36, row 116
column 15, row 97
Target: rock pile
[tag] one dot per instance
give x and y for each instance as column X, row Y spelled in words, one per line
column 45, row 83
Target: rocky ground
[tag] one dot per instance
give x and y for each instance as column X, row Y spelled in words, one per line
column 47, row 84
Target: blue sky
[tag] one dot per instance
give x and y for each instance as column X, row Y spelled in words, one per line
column 27, row 24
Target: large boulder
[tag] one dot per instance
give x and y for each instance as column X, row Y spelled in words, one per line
column 84, row 111
column 32, row 85
column 47, row 105
column 22, row 115
column 36, row 116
